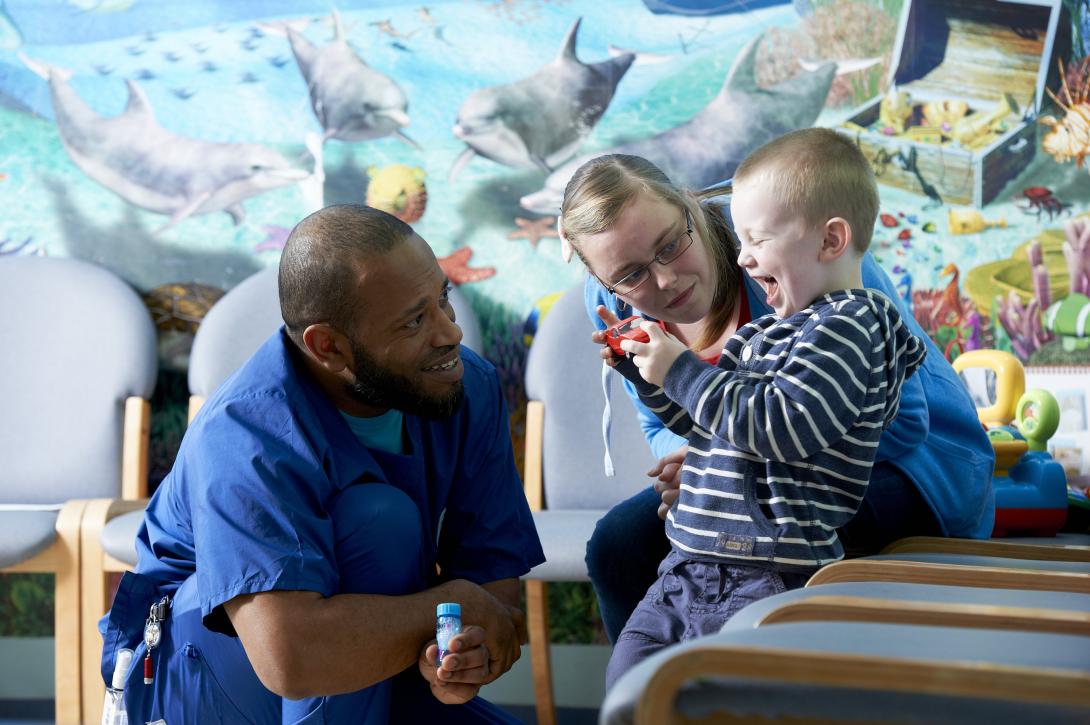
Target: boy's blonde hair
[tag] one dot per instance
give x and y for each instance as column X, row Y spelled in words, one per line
column 819, row 174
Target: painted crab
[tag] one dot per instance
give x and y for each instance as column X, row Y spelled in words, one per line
column 1041, row 200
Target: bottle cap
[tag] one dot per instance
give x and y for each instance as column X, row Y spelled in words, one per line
column 449, row 609
column 121, row 668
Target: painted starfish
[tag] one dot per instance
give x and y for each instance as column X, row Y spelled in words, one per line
column 275, row 238
column 456, row 267
column 534, row 229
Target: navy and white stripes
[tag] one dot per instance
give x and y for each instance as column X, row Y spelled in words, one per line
column 783, row 431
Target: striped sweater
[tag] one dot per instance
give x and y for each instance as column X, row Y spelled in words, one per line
column 783, row 431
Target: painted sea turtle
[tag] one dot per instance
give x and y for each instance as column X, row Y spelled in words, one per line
column 177, row 310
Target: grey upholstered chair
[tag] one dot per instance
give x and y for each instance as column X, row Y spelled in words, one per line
column 75, row 379
column 231, row 331
column 927, row 604
column 565, row 480
column 832, row 671
column 883, row 650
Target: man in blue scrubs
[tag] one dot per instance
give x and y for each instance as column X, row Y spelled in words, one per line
column 353, row 474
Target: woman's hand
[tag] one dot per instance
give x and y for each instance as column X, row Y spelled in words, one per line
column 668, row 483
column 654, row 357
column 599, row 336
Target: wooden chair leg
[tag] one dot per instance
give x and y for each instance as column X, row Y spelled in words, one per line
column 66, row 617
column 537, row 618
column 95, row 596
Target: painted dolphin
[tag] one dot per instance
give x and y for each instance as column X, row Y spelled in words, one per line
column 352, row 100
column 540, row 121
column 154, row 169
column 709, row 146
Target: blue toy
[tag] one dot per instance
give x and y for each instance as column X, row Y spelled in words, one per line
column 1030, row 487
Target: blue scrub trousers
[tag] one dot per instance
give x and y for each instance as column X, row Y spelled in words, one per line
column 629, row 542
column 204, row 677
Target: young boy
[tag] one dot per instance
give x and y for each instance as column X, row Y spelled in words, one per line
column 783, row 430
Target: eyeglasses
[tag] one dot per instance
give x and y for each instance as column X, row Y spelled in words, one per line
column 671, row 251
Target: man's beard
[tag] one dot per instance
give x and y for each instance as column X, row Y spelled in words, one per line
column 378, row 387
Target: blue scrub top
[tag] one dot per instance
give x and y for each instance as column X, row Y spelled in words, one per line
column 247, row 504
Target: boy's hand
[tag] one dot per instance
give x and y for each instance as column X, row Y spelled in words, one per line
column 668, row 484
column 599, row 336
column 654, row 357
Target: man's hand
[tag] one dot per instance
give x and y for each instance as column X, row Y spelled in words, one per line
column 654, row 357
column 668, row 470
column 463, row 671
column 503, row 628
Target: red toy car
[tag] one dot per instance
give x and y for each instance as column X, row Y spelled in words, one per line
column 625, row 330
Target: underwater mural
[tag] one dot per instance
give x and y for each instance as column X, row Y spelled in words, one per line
column 177, row 144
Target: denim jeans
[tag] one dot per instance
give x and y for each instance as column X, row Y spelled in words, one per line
column 629, row 542
column 688, row 600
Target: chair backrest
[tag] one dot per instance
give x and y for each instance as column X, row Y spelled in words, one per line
column 564, row 372
column 80, row 342
column 836, row 671
column 245, row 317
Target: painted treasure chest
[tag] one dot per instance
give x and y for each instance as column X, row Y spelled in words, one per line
column 967, row 78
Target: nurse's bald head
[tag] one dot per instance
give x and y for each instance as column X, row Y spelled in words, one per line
column 320, row 266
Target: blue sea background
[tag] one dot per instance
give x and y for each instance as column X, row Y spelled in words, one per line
column 256, row 94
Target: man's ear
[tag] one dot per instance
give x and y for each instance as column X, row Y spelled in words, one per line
column 328, row 346
column 837, row 239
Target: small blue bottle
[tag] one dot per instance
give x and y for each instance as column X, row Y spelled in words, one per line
column 448, row 622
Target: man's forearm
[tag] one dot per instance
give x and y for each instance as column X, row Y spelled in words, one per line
column 304, row 645
column 506, row 590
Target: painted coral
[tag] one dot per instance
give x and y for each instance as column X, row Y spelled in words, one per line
column 1022, row 320
column 1077, row 253
column 840, row 30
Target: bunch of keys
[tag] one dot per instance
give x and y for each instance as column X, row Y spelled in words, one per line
column 153, row 633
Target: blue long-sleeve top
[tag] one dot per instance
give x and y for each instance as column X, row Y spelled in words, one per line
column 936, row 439
column 783, row 430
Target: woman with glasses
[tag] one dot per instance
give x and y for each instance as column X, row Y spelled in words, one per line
column 668, row 254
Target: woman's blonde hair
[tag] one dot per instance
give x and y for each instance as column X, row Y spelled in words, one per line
column 603, row 188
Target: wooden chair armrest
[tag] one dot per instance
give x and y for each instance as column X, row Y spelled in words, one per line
column 134, row 446
column 936, row 614
column 979, row 547
column 834, row 669
column 884, row 570
column 533, row 479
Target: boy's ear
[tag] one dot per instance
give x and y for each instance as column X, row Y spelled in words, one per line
column 328, row 346
column 837, row 239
